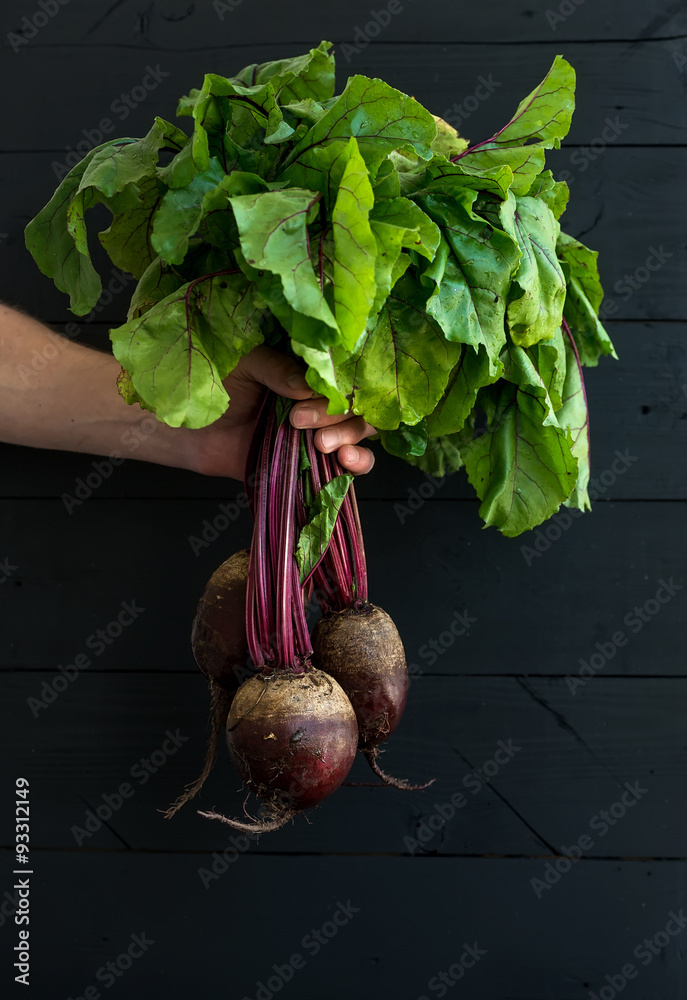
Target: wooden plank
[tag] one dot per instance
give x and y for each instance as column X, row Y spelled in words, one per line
column 564, row 945
column 629, row 205
column 178, row 25
column 637, row 403
column 541, row 603
column 522, row 765
column 491, row 79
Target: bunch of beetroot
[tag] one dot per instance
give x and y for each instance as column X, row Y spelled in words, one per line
column 296, row 707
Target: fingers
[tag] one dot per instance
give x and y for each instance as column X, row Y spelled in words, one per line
column 313, row 413
column 356, row 460
column 348, row 432
column 275, row 370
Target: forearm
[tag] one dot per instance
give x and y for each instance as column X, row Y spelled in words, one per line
column 58, row 394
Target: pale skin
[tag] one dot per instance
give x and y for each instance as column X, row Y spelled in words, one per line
column 56, row 393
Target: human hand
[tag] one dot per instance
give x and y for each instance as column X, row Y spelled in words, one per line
column 221, row 448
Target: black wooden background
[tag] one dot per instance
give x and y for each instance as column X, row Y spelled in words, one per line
column 412, row 884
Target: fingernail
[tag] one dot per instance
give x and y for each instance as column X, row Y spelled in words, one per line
column 305, row 417
column 330, row 438
column 296, row 381
column 352, row 455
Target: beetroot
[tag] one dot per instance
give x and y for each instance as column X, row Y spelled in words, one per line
column 220, row 648
column 218, row 634
column 293, row 739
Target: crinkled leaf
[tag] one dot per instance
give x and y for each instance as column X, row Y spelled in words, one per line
column 355, row 249
column 157, row 282
column 400, row 368
column 321, row 373
column 178, row 352
column 180, row 212
column 554, row 193
column 114, row 168
column 310, row 76
column 574, row 416
column 541, row 120
column 274, row 237
column 583, row 299
column 406, row 441
column 381, row 118
column 522, row 466
column 441, row 457
column 469, row 375
column 549, row 357
column 52, row 246
column 469, row 277
column 127, row 239
column 448, row 142
column 537, row 295
column 315, row 536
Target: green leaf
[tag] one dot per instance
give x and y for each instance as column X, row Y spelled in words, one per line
column 386, row 182
column 274, row 237
column 127, row 239
column 537, row 295
column 178, row 353
column 355, row 249
column 574, row 416
column 541, row 120
column 448, row 142
column 52, row 246
column 549, row 357
column 381, row 118
column 115, row 168
column 296, row 79
column 405, row 441
column 157, row 282
column 416, row 230
column 583, row 299
column 321, row 373
column 470, row 374
column 470, row 276
column 522, row 466
column 554, row 193
column 400, row 368
column 315, row 536
column 180, row 212
column 441, row 457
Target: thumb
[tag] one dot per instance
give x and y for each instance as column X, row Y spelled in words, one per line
column 275, row 370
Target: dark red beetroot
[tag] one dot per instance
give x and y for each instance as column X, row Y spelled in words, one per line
column 361, row 648
column 220, row 648
column 218, row 634
column 293, row 739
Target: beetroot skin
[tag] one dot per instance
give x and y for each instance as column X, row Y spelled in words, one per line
column 292, row 737
column 362, row 650
column 218, row 635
